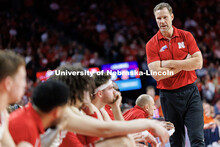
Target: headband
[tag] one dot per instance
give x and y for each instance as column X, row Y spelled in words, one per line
column 103, row 86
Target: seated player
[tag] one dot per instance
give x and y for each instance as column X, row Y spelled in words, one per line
column 108, row 108
column 150, row 90
column 12, row 88
column 107, row 97
column 144, row 108
column 86, row 125
column 45, row 110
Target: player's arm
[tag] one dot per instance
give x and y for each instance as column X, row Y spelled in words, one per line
column 24, row 144
column 117, row 113
column 156, row 67
column 91, row 110
column 9, row 142
column 116, row 106
column 89, row 126
column 189, row 64
column 7, row 139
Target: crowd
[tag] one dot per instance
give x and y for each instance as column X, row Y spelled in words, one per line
column 52, row 33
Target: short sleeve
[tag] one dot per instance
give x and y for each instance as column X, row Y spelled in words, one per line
column 152, row 53
column 71, row 140
column 191, row 43
column 21, row 133
column 93, row 115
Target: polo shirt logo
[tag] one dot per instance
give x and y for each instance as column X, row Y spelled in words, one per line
column 181, row 45
column 163, row 48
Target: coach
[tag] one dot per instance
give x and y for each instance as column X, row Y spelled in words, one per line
column 176, row 50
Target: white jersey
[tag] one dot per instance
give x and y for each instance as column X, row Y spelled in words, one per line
column 3, row 119
column 59, row 139
column 54, row 136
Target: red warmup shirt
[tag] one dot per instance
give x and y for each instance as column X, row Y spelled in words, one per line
column 71, row 140
column 160, row 48
column 135, row 113
column 109, row 111
column 78, row 140
column 26, row 125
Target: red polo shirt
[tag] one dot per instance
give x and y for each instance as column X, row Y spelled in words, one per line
column 26, row 125
column 109, row 111
column 135, row 113
column 160, row 48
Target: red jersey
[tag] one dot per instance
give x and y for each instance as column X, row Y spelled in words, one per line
column 25, row 124
column 135, row 113
column 109, row 111
column 79, row 140
column 178, row 47
column 71, row 140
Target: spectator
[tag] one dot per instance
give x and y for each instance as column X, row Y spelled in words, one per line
column 208, row 89
column 217, row 106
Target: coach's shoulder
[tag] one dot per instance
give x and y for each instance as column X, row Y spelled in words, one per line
column 183, row 32
column 152, row 41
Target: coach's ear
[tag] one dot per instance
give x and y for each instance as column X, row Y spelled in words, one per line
column 172, row 16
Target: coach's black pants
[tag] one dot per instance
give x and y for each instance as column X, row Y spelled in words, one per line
column 183, row 106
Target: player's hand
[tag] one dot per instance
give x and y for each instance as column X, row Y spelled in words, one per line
column 152, row 140
column 138, row 137
column 159, row 131
column 88, row 108
column 117, row 99
column 168, row 125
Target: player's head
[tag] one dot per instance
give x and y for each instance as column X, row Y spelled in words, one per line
column 115, row 86
column 163, row 13
column 50, row 98
column 81, row 86
column 104, row 88
column 12, row 75
column 147, row 103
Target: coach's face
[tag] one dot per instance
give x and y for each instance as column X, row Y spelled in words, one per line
column 164, row 19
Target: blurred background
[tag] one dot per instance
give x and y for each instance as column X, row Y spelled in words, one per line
column 106, row 34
